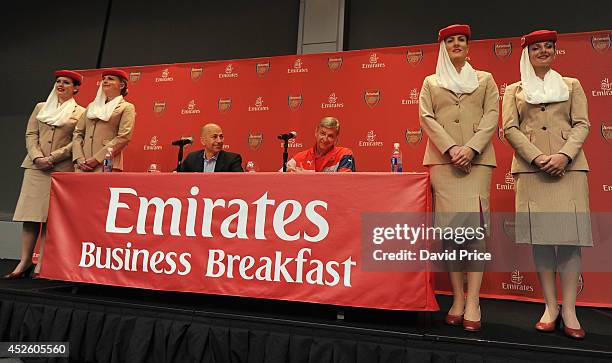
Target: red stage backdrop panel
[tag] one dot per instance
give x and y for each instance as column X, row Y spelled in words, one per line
column 233, row 234
column 375, row 95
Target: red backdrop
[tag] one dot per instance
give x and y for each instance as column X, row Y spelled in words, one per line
column 374, row 93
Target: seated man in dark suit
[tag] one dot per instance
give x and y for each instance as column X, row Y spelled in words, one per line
column 212, row 158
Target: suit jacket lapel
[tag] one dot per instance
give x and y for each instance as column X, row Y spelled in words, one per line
column 220, row 159
column 200, row 162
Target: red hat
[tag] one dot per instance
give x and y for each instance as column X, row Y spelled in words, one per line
column 538, row 36
column 454, row 30
column 115, row 72
column 77, row 78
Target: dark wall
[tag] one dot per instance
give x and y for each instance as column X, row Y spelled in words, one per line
column 386, row 23
column 186, row 31
column 39, row 37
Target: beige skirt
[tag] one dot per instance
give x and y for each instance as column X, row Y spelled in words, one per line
column 460, row 199
column 33, row 203
column 553, row 210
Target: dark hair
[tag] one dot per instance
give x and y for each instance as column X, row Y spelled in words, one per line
column 75, row 82
column 124, row 90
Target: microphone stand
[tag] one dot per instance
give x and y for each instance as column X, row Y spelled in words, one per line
column 285, row 153
column 180, row 158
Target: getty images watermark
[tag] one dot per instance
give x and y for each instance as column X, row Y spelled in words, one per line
column 414, row 242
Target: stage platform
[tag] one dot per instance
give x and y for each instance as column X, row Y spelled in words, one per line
column 113, row 324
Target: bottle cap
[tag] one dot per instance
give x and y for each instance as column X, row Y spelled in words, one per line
column 396, row 145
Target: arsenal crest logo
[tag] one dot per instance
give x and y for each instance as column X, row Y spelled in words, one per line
column 606, row 132
column 262, row 68
column 224, row 105
column 334, row 63
column 502, row 51
column 159, row 107
column 601, row 43
column 134, row 77
column 371, row 97
column 294, row 102
column 196, row 73
column 413, row 138
column 255, row 140
column 414, row 58
column 501, row 135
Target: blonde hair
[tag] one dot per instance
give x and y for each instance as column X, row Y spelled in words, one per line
column 330, row 123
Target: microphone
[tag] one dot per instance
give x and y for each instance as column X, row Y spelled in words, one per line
column 287, row 136
column 183, row 141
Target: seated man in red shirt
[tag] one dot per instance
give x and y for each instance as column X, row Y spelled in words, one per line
column 325, row 156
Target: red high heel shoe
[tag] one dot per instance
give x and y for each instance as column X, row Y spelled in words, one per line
column 472, row 325
column 573, row 333
column 19, row 275
column 550, row 326
column 454, row 320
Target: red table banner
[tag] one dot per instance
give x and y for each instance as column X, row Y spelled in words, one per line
column 263, row 235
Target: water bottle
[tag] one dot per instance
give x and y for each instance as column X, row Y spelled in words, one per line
column 107, row 163
column 250, row 167
column 396, row 159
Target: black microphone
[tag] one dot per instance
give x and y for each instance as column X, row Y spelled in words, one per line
column 287, row 136
column 183, row 141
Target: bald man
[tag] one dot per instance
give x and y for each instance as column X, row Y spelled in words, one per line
column 212, row 158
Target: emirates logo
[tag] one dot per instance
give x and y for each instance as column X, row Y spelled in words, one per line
column 370, row 140
column 332, row 102
column 298, row 67
column 228, row 72
column 413, row 98
column 373, row 62
column 152, row 145
column 165, row 76
column 508, row 182
column 516, row 277
column 191, row 109
column 606, row 89
column 259, row 106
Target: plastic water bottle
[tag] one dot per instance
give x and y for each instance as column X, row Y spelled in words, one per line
column 396, row 159
column 250, row 167
column 107, row 163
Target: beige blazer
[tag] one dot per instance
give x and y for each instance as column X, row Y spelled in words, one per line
column 92, row 138
column 55, row 142
column 533, row 130
column 468, row 119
